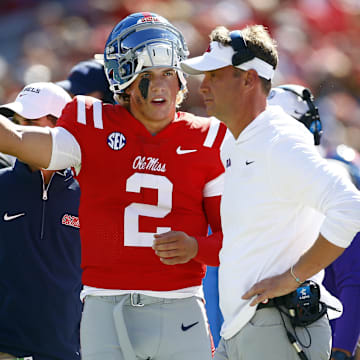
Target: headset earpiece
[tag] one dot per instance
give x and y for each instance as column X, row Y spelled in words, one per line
column 242, row 52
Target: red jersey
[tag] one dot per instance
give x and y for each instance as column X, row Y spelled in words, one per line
column 134, row 184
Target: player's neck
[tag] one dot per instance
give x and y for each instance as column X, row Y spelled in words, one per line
column 154, row 126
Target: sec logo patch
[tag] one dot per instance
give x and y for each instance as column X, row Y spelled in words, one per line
column 116, row 140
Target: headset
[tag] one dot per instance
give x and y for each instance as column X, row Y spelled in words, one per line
column 242, row 52
column 311, row 119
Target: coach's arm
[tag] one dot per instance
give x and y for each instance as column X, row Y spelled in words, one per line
column 320, row 255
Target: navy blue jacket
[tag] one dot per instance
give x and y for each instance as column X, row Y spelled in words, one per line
column 40, row 256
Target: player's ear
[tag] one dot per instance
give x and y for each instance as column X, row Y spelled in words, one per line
column 127, row 91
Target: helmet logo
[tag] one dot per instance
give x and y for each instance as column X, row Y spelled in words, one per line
column 116, row 141
column 148, row 18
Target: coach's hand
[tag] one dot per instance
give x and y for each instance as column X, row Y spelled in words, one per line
column 175, row 247
column 271, row 287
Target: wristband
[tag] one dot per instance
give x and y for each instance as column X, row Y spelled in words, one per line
column 294, row 276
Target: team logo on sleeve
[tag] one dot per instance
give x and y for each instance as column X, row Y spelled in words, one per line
column 116, row 140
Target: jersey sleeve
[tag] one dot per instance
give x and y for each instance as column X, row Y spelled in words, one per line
column 69, row 117
column 214, row 187
column 214, row 139
column 82, row 111
column 69, row 136
column 209, row 246
column 66, row 150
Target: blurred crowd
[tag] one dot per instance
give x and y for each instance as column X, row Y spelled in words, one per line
column 318, row 42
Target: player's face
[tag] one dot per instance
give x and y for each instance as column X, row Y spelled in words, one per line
column 153, row 98
column 221, row 91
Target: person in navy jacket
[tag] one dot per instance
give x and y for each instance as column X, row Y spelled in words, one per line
column 40, row 250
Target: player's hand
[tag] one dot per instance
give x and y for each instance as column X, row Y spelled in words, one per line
column 270, row 288
column 175, row 247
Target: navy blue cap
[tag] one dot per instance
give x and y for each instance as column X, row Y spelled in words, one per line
column 87, row 77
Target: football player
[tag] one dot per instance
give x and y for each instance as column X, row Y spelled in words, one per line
column 144, row 169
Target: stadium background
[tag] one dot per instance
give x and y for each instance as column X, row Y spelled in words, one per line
column 318, row 43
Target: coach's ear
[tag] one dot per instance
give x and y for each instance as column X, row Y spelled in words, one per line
column 250, row 78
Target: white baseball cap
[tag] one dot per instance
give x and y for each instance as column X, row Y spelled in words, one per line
column 37, row 100
column 219, row 56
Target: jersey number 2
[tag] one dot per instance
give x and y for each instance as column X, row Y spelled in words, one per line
column 132, row 236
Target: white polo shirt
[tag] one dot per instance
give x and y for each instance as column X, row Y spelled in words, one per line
column 276, row 183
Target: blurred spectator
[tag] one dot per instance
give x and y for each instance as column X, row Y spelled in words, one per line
column 88, row 78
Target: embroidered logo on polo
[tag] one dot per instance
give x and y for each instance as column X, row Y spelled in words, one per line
column 186, row 328
column 116, row 140
column 8, row 217
column 71, row 220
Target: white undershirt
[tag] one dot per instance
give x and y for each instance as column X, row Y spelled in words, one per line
column 66, row 151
